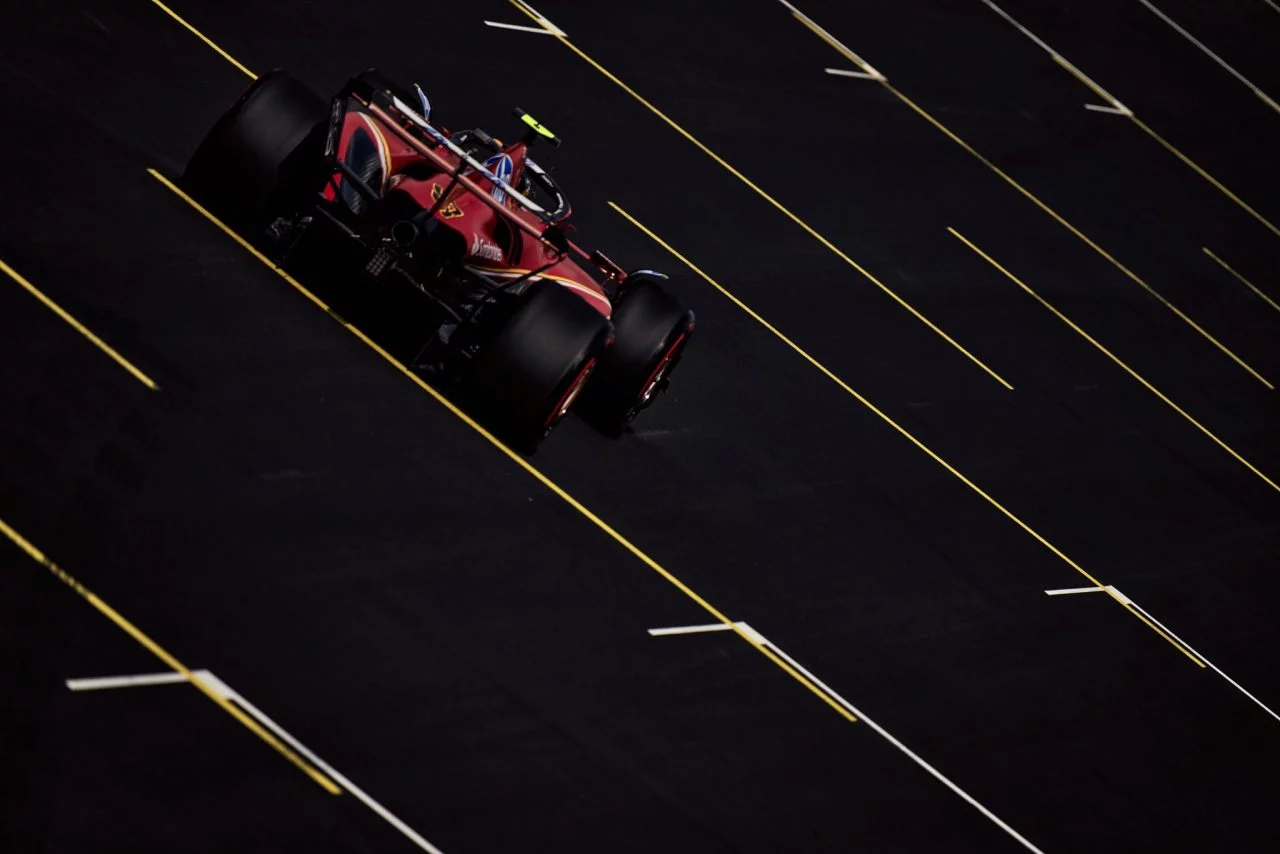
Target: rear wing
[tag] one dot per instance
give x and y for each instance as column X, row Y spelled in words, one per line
column 379, row 98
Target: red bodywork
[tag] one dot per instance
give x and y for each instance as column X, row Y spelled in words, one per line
column 496, row 246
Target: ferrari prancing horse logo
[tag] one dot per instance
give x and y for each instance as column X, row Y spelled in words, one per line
column 449, row 210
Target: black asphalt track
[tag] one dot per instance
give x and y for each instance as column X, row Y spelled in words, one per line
column 294, row 514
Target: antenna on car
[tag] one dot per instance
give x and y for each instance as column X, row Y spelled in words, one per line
column 536, row 129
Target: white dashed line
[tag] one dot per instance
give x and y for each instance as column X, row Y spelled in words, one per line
column 1067, row 591
column 843, row 72
column 1115, row 111
column 1116, row 106
column 105, row 682
column 520, row 27
column 1195, row 41
column 225, row 691
column 540, row 18
column 759, row 639
column 691, row 630
column 1125, row 600
column 840, row 46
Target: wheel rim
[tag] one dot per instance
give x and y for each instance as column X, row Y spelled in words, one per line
column 659, row 373
column 571, row 394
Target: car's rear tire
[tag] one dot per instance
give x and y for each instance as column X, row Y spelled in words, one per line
column 262, row 155
column 651, row 330
column 524, row 380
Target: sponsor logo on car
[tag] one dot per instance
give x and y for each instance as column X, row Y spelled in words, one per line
column 501, row 167
column 483, row 248
column 448, row 210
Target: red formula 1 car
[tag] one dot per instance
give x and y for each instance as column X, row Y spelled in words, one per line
column 366, row 188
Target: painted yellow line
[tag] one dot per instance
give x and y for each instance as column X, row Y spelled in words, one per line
column 1205, row 175
column 902, row 431
column 771, row 200
column 835, row 43
column 1250, row 285
column 1085, row 79
column 228, row 57
column 826, row 37
column 171, row 662
column 1183, row 648
column 81, row 328
column 520, row 461
column 1079, row 234
column 1079, row 75
column 1032, row 197
column 1113, row 357
column 1128, row 113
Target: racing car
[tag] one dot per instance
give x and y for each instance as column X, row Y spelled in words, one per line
column 519, row 324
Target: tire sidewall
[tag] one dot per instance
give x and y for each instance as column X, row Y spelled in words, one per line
column 251, row 162
column 523, row 372
column 648, row 323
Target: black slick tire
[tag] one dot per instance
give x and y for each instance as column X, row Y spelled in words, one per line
column 263, row 153
column 527, row 376
column 651, row 330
